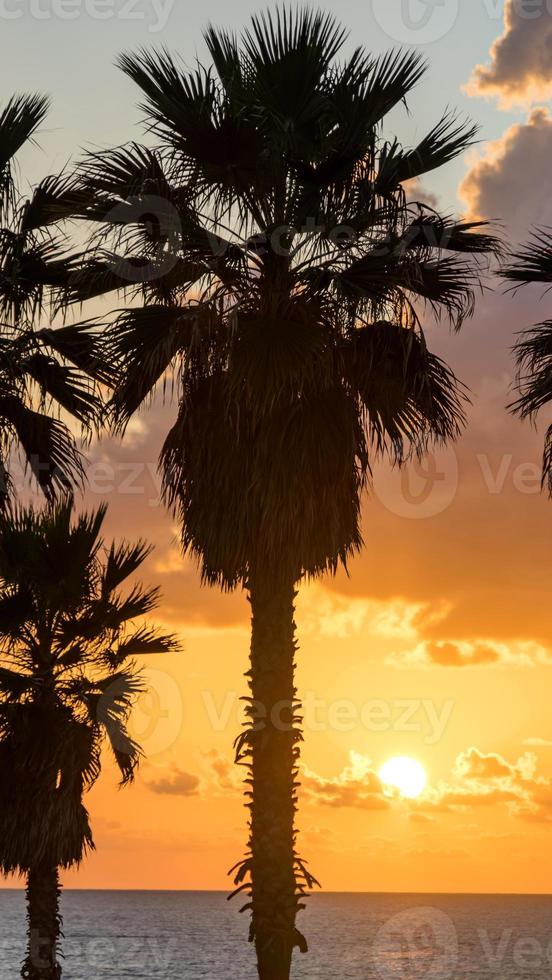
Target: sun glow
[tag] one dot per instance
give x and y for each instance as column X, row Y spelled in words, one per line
column 405, row 774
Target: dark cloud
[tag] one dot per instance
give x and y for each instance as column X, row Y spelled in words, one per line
column 176, row 783
column 452, row 655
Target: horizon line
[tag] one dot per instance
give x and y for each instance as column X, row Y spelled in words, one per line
column 376, row 894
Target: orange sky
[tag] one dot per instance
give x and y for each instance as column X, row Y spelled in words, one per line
column 438, row 646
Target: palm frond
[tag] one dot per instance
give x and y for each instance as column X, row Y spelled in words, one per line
column 13, row 684
column 389, row 274
column 143, row 343
column 387, row 81
column 47, row 446
column 67, row 387
column 146, row 642
column 124, row 172
column 81, row 345
column 275, row 34
column 533, row 353
column 533, row 263
column 432, row 231
column 122, row 560
column 55, row 199
column 118, row 693
column 447, row 140
column 411, row 397
column 19, row 120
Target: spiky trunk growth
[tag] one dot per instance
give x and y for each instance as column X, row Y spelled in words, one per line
column 44, row 924
column 277, row 879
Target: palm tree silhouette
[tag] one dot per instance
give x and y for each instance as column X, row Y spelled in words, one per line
column 282, row 265
column 67, row 683
column 41, row 370
column 533, row 351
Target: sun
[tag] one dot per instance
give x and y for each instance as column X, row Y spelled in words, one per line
column 405, row 774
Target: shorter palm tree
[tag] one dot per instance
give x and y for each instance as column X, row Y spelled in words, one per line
column 67, row 683
column 533, row 351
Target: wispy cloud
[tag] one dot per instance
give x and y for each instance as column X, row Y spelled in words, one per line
column 326, row 613
column 474, row 653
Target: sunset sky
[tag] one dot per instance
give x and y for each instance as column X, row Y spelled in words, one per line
column 438, row 646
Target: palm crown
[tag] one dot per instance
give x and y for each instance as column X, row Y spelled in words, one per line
column 281, row 263
column 41, row 370
column 67, row 676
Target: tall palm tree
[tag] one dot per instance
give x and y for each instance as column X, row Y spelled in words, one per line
column 45, row 374
column 67, row 682
column 533, row 351
column 283, row 271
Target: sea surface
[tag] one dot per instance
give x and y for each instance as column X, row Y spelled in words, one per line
column 199, row 936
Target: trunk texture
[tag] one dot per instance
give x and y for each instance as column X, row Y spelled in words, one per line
column 272, row 750
column 44, row 925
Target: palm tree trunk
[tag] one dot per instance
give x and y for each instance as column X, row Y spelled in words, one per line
column 44, row 924
column 272, row 748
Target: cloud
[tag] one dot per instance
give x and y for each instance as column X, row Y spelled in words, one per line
column 538, row 743
column 419, row 194
column 358, row 785
column 219, row 776
column 520, row 69
column 511, row 179
column 326, row 613
column 177, row 783
column 482, row 779
column 224, row 775
column 472, row 653
column 474, row 764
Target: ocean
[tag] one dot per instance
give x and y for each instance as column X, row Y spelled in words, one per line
column 200, row 936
